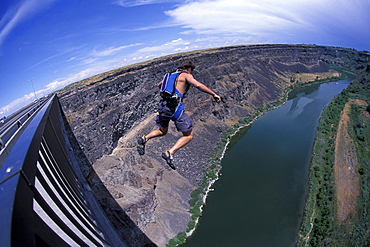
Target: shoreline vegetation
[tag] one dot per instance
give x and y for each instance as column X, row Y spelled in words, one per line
column 323, row 225
column 199, row 196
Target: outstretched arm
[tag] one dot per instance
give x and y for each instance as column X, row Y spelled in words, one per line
column 200, row 86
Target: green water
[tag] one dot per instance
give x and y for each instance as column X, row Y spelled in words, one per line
column 259, row 198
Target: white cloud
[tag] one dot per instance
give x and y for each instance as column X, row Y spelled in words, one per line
column 71, row 59
column 235, row 16
column 112, row 50
column 19, row 13
column 43, row 61
column 132, row 3
column 58, row 84
column 89, row 60
column 275, row 20
column 168, row 47
column 16, row 104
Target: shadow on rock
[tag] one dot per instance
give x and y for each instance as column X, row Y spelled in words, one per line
column 129, row 232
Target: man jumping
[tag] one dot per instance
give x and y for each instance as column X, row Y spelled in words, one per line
column 171, row 108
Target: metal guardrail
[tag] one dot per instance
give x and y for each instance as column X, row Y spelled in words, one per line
column 15, row 126
column 45, row 200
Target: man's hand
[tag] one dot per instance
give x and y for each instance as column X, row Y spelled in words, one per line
column 217, row 98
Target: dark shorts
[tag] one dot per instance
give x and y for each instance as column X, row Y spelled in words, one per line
column 165, row 112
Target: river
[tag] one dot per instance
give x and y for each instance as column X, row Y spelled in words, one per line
column 259, row 198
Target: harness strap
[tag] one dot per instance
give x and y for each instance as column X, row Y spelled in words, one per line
column 178, row 93
column 178, row 112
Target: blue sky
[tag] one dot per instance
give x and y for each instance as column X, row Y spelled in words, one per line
column 48, row 44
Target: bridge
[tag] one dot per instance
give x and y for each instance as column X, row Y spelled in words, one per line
column 45, row 199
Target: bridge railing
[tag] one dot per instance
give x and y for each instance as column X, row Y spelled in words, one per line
column 9, row 134
column 45, row 199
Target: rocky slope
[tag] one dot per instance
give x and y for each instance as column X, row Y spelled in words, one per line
column 109, row 111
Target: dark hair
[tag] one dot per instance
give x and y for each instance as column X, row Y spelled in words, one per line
column 186, row 65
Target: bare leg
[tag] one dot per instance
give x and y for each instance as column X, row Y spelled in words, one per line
column 142, row 140
column 156, row 133
column 185, row 139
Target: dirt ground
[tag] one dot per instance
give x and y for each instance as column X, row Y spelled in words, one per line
column 347, row 179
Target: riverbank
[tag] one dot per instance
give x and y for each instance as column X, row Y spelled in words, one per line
column 200, row 195
column 336, row 212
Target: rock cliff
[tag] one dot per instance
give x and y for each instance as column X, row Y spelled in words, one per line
column 109, row 111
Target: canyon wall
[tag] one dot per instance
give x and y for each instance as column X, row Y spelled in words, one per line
column 108, row 112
